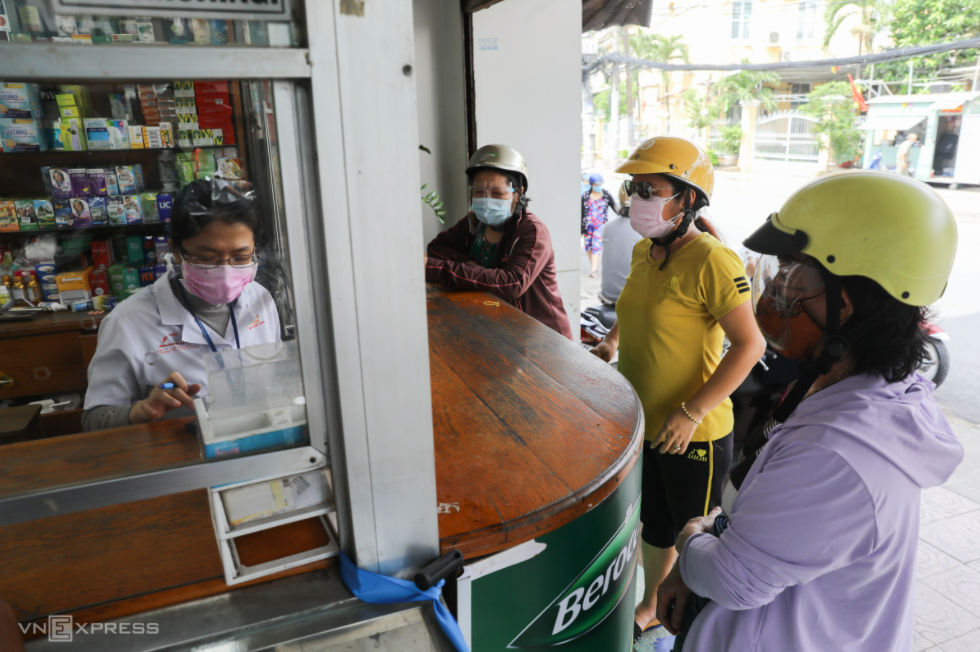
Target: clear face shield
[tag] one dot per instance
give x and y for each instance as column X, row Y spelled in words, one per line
column 492, row 205
column 781, row 286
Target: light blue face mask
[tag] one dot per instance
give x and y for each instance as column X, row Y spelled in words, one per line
column 490, row 211
column 596, row 188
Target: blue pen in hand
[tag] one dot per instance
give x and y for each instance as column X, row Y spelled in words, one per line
column 166, row 386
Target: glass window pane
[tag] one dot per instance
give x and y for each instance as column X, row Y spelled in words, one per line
column 31, row 21
column 103, row 187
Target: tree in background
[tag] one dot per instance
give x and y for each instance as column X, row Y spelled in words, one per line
column 657, row 47
column 701, row 112
column 923, row 22
column 868, row 12
column 746, row 85
column 601, row 102
column 835, row 111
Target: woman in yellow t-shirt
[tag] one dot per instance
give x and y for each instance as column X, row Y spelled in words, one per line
column 684, row 293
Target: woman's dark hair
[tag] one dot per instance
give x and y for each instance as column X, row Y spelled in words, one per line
column 197, row 194
column 886, row 335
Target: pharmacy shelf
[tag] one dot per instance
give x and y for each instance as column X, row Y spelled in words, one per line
column 103, row 227
column 136, row 62
column 117, row 151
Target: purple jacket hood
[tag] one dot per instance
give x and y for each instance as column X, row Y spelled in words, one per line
column 899, row 422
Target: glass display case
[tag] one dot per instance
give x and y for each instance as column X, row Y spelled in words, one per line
column 87, row 22
column 109, row 152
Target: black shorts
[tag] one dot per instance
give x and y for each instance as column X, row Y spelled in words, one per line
column 677, row 488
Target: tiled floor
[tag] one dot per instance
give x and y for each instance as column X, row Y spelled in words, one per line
column 947, row 596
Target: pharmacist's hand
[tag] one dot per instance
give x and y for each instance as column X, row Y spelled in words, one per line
column 676, row 433
column 604, row 351
column 426, row 259
column 161, row 401
column 672, row 597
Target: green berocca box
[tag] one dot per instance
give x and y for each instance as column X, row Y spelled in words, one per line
column 134, row 253
column 131, row 281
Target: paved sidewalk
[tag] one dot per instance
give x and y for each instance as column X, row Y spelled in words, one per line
column 947, row 592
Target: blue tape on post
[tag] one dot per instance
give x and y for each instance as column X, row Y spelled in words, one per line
column 381, row 589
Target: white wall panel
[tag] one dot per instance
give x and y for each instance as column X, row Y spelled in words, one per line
column 528, row 60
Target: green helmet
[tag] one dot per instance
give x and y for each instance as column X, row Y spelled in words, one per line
column 891, row 229
column 499, row 157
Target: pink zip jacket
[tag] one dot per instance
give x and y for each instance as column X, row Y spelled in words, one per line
column 523, row 272
column 820, row 552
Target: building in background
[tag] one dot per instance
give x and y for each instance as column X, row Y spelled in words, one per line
column 759, row 31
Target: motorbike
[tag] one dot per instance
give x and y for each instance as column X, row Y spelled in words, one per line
column 595, row 323
column 936, row 366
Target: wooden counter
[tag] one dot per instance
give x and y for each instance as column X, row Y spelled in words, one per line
column 49, row 354
column 530, row 433
column 530, row 429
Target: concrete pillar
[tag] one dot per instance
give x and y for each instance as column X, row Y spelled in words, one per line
column 750, row 114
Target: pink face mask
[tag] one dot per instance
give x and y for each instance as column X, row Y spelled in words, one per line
column 646, row 216
column 221, row 284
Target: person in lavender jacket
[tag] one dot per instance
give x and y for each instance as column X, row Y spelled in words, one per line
column 819, row 551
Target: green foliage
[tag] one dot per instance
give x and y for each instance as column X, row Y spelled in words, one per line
column 922, row 22
column 712, row 157
column 869, row 13
column 431, row 199
column 731, row 139
column 600, row 102
column 658, row 47
column 835, row 110
column 746, row 85
column 700, row 112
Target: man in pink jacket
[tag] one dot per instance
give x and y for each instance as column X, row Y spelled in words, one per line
column 819, row 552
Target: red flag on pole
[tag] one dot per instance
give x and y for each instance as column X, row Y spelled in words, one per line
column 856, row 94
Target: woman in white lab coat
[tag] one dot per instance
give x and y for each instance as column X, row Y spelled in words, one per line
column 149, row 362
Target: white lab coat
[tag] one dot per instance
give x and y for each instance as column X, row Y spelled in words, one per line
column 150, row 335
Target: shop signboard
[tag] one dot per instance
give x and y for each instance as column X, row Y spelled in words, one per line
column 577, row 595
column 227, row 9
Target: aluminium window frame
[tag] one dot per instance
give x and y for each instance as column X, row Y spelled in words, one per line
column 285, row 67
column 360, row 299
column 740, row 23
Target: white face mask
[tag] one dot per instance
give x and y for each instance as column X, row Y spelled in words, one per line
column 646, row 216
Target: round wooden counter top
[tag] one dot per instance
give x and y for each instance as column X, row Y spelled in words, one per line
column 531, row 431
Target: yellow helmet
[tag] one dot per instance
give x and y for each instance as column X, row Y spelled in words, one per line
column 892, row 229
column 676, row 157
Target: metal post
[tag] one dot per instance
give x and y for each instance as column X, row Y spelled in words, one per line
column 910, row 77
column 976, row 74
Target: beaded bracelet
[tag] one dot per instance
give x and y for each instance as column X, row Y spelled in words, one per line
column 684, row 407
